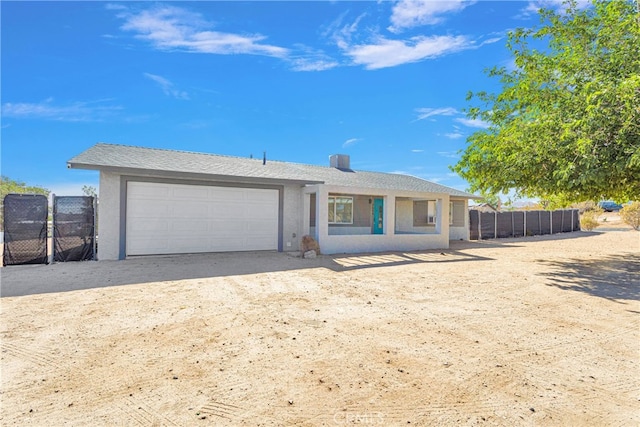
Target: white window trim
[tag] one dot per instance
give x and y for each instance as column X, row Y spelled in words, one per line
column 335, row 206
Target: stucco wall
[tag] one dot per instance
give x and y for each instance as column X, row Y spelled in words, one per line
column 404, row 219
column 460, row 228
column 389, row 241
column 109, row 217
column 292, row 218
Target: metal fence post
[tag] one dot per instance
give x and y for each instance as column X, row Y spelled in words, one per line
column 52, row 257
column 95, row 217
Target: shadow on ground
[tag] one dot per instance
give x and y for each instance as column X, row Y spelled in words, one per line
column 615, row 277
column 512, row 242
column 23, row 280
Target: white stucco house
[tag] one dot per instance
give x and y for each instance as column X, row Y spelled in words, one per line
column 155, row 201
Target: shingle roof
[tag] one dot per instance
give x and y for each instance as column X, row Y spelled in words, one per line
column 110, row 156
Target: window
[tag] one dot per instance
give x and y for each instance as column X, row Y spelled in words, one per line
column 340, row 210
column 424, row 212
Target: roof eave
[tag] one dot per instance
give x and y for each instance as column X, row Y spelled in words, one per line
column 189, row 175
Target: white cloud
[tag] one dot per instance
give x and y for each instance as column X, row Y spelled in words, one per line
column 473, row 123
column 453, row 135
column 78, row 111
column 449, row 154
column 350, row 142
column 342, row 33
column 385, row 53
column 417, row 151
column 175, row 28
column 424, row 113
column 412, row 13
column 307, row 64
column 167, row 86
column 311, row 60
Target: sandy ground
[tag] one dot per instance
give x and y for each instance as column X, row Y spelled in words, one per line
column 532, row 331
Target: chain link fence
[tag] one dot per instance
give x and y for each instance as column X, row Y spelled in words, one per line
column 492, row 225
column 25, row 229
column 73, row 228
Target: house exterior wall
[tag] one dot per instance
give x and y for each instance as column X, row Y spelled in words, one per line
column 292, row 215
column 109, row 217
column 298, row 216
column 112, row 211
column 459, row 230
column 404, row 219
column 389, row 240
column 362, row 213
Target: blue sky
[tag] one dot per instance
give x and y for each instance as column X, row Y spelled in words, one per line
column 384, row 82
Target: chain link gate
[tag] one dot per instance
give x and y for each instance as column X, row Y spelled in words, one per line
column 25, row 229
column 73, row 228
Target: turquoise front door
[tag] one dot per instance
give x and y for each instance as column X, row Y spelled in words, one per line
column 378, row 219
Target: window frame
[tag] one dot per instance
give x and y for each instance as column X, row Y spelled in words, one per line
column 431, row 217
column 334, row 200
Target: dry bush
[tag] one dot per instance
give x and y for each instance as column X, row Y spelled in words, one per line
column 585, row 206
column 589, row 220
column 630, row 214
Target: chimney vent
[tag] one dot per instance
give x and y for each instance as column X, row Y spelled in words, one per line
column 340, row 161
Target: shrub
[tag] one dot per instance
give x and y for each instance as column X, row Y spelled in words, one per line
column 630, row 214
column 585, row 206
column 589, row 220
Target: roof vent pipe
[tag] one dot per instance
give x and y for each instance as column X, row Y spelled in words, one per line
column 340, row 161
column 264, row 157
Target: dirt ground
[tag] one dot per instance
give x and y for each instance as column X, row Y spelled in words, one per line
column 531, row 331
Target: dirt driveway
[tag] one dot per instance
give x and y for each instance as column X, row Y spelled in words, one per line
column 535, row 331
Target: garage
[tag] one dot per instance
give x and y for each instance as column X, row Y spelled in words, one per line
column 164, row 218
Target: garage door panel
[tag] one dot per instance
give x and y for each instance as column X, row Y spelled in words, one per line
column 175, row 218
column 141, row 245
column 259, row 227
column 190, row 192
column 258, row 197
column 190, row 210
column 148, row 192
column 148, row 209
column 151, row 225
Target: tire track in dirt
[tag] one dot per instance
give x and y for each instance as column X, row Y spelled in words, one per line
column 221, row 410
column 34, row 356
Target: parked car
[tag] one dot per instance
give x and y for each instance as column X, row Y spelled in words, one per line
column 609, row 206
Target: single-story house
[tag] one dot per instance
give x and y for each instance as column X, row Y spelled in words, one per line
column 158, row 201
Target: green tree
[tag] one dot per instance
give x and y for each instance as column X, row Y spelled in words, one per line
column 8, row 186
column 566, row 126
column 89, row 190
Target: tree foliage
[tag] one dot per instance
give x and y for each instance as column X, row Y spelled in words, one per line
column 8, row 186
column 566, row 126
column 89, row 190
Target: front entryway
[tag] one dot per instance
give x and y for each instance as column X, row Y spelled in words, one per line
column 378, row 216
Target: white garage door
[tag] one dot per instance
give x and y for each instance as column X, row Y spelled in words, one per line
column 172, row 218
